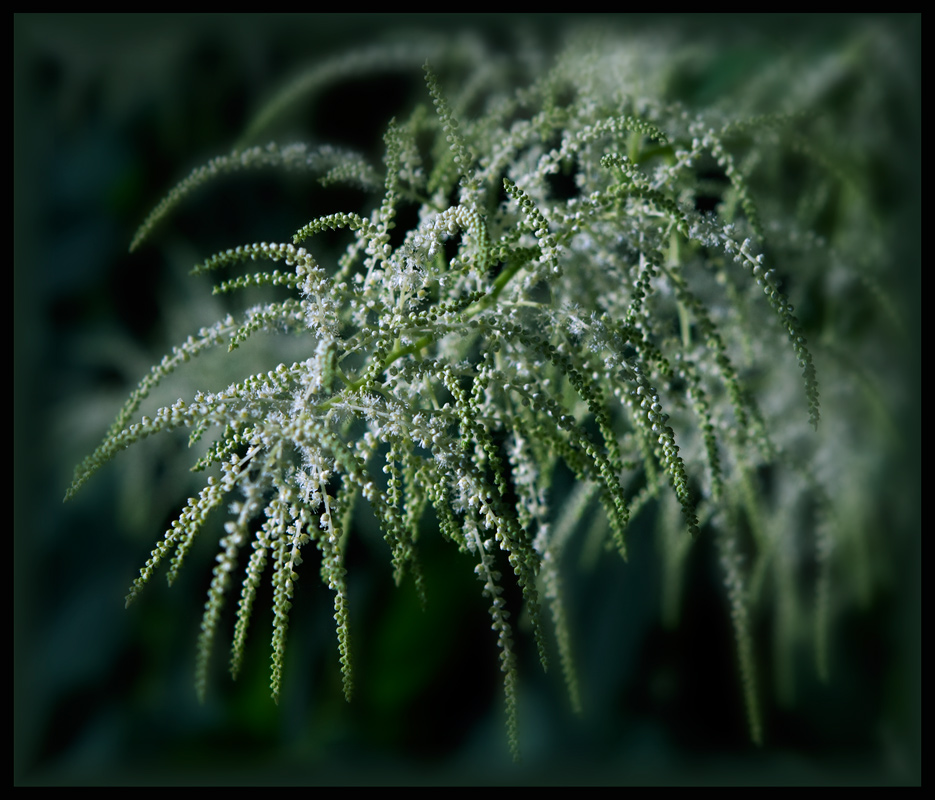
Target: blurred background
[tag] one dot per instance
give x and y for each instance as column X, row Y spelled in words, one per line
column 109, row 112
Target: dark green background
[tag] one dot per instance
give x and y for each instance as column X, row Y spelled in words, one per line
column 108, row 113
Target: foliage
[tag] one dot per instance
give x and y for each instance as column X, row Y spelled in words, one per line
column 564, row 268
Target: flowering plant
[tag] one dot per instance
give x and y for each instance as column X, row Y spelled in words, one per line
column 566, row 272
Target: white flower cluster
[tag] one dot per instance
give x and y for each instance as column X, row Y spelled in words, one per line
column 579, row 288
